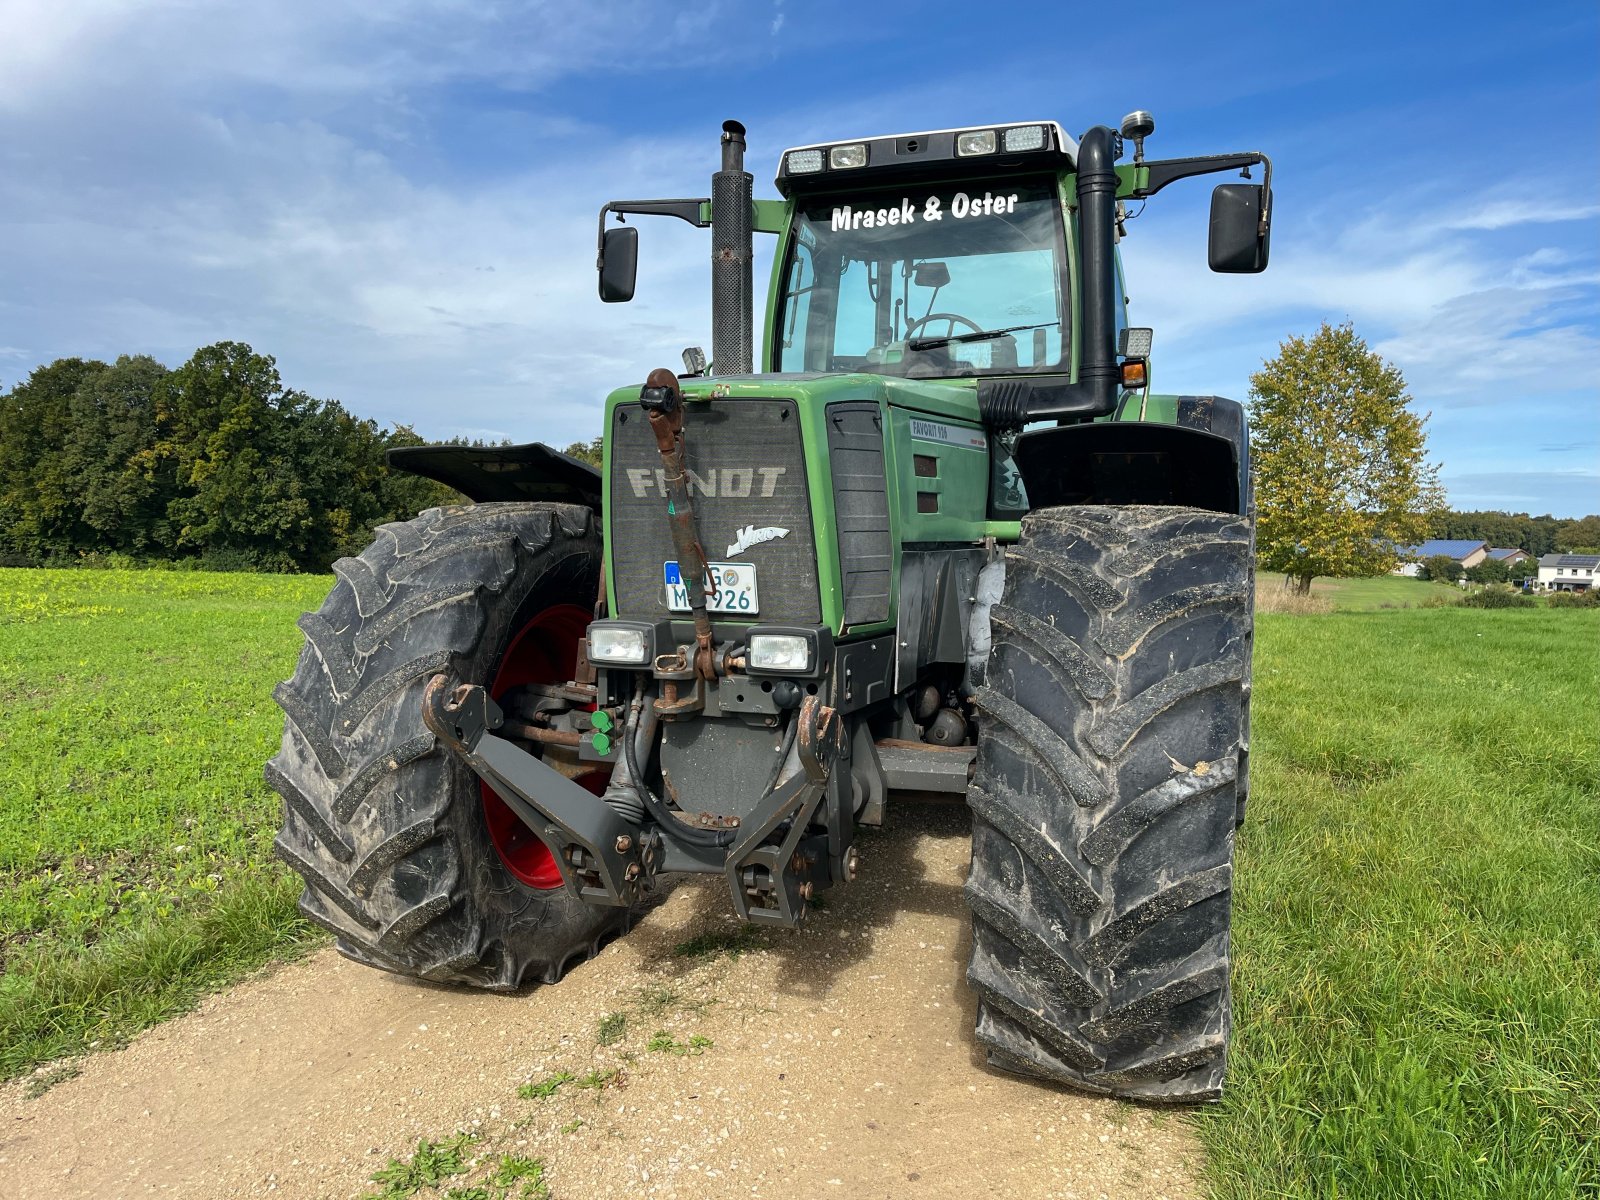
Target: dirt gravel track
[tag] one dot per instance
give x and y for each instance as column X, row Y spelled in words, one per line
column 841, row 1062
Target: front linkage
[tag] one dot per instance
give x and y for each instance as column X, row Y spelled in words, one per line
column 768, row 860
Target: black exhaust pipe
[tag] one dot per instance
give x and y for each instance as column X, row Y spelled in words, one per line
column 732, row 287
column 1008, row 403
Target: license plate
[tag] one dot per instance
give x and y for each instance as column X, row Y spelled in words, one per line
column 730, row 588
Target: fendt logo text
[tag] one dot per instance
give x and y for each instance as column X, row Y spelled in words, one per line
column 737, row 483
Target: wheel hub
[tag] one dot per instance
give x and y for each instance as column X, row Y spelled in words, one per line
column 544, row 650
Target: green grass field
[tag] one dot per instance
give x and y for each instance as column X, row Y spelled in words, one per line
column 1417, row 950
column 135, row 828
column 1417, row 945
column 1381, row 591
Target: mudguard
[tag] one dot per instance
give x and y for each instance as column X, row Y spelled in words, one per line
column 531, row 472
column 1191, row 451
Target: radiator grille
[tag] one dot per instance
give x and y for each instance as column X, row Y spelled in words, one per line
column 748, row 472
column 861, row 504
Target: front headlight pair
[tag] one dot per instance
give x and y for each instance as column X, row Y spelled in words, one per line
column 773, row 651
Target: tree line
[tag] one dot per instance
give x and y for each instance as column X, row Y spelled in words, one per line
column 215, row 463
column 1519, row 531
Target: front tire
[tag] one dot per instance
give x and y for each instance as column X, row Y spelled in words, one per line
column 1104, row 799
column 391, row 833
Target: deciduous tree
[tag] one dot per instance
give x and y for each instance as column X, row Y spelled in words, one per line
column 1340, row 458
column 590, row 452
column 1441, row 568
column 38, row 508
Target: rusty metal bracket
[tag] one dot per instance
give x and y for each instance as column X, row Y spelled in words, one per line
column 673, row 705
column 600, row 856
column 663, row 402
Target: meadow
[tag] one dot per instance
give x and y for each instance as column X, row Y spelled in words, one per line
column 1416, row 942
column 136, row 866
column 1417, row 953
column 1361, row 595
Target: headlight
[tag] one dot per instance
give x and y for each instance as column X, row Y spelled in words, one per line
column 979, row 141
column 1025, row 137
column 804, row 162
column 787, row 650
column 780, row 652
column 615, row 645
column 843, row 157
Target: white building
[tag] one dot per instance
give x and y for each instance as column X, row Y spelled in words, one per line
column 1567, row 572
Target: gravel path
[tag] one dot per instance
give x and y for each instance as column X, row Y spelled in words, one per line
column 835, row 1060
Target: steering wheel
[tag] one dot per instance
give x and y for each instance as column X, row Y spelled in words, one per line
column 952, row 318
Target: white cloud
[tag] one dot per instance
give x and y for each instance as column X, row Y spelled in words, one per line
column 173, row 172
column 1565, row 493
column 1505, row 213
column 360, row 48
column 146, row 223
column 1467, row 319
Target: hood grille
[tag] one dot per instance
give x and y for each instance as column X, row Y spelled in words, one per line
column 748, row 471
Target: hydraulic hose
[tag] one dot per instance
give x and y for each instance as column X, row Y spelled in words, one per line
column 653, row 803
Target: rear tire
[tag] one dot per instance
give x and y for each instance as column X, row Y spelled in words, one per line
column 387, row 829
column 1104, row 799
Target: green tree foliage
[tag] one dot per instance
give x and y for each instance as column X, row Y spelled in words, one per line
column 1497, row 595
column 1492, row 570
column 1441, row 568
column 589, row 452
column 1537, row 535
column 122, row 507
column 37, row 506
column 1341, row 473
column 216, row 461
column 1581, row 536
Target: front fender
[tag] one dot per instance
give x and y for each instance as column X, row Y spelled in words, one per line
column 1199, row 458
column 489, row 473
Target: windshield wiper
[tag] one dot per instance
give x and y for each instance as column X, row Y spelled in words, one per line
column 979, row 335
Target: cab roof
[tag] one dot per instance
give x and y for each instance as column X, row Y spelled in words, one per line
column 926, row 154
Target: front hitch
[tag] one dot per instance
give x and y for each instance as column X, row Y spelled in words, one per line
column 601, row 857
column 771, row 868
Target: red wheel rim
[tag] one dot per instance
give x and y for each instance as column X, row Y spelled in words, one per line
column 545, row 650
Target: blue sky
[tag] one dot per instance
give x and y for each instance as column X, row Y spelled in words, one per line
column 396, row 198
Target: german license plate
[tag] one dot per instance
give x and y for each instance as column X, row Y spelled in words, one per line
column 730, row 588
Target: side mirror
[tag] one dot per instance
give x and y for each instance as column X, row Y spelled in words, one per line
column 1239, row 243
column 930, row 274
column 619, row 264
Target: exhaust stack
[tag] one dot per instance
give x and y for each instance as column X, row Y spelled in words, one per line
column 732, row 285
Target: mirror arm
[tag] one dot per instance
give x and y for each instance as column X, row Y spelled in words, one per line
column 1169, row 170
column 685, row 210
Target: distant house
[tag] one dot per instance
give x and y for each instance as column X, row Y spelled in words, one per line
column 1509, row 555
column 1567, row 572
column 1467, row 553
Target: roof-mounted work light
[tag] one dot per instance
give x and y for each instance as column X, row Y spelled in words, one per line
column 977, row 141
column 842, row 158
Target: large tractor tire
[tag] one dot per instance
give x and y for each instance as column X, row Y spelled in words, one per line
column 413, row 864
column 1103, row 801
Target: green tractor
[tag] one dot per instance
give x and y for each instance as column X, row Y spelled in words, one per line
column 945, row 540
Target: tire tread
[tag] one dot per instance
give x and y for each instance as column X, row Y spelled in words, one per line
column 1100, row 938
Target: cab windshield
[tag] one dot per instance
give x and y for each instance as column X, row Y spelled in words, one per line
column 952, row 280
